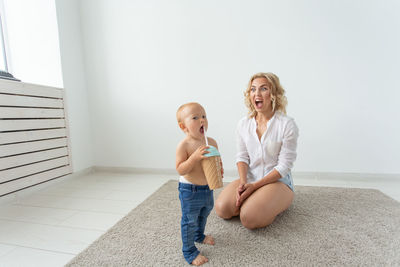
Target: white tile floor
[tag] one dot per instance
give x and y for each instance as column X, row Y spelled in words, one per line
column 48, row 227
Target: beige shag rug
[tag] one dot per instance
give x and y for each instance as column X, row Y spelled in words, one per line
column 325, row 226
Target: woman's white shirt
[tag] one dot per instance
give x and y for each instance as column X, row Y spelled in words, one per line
column 275, row 150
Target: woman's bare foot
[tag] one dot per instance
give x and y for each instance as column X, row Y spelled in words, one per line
column 199, row 260
column 209, row 240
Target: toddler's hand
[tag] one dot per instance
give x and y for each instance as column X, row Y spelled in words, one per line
column 199, row 153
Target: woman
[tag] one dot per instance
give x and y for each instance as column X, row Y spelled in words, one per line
column 266, row 143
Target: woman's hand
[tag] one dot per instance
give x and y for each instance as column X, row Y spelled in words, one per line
column 243, row 192
column 239, row 191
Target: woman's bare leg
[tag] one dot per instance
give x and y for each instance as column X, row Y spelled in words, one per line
column 261, row 207
column 225, row 205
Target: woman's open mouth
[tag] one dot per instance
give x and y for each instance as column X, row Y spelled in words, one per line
column 258, row 103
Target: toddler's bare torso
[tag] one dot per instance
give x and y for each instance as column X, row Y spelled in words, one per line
column 196, row 175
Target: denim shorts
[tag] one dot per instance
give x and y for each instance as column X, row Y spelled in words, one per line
column 287, row 180
column 197, row 201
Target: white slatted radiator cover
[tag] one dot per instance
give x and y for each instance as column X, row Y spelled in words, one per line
column 34, row 143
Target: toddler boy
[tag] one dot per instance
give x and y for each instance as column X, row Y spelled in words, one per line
column 196, row 198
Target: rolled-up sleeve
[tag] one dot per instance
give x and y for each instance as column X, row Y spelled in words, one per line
column 242, row 154
column 288, row 153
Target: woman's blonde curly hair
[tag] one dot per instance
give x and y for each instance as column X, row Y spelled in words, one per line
column 276, row 89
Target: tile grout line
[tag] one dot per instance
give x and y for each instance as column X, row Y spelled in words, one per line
column 78, row 210
column 8, row 252
column 47, row 250
column 77, row 198
column 52, row 225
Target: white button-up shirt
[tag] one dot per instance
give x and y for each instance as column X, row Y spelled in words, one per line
column 275, row 150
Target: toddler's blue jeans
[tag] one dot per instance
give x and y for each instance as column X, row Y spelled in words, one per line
column 197, row 201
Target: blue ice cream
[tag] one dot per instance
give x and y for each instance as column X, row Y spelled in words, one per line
column 212, row 152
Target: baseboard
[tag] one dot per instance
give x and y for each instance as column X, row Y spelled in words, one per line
column 345, row 176
column 134, row 170
column 340, row 176
column 231, row 173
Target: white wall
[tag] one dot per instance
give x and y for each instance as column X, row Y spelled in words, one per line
column 72, row 59
column 338, row 61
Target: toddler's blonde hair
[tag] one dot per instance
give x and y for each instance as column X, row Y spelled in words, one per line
column 182, row 107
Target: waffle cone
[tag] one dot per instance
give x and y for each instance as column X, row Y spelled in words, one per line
column 213, row 171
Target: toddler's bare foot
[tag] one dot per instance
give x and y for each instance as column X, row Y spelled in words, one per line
column 199, row 260
column 209, row 240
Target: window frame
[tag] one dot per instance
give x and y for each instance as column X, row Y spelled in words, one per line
column 5, row 71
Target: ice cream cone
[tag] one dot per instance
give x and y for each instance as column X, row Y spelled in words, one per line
column 212, row 168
